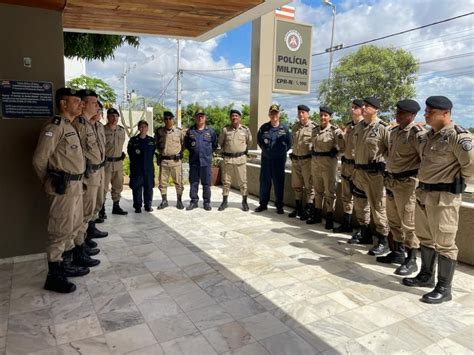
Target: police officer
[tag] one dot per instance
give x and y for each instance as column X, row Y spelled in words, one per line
column 234, row 141
column 369, row 143
column 114, row 141
column 141, row 150
column 347, row 167
column 201, row 141
column 403, row 161
column 99, row 129
column 169, row 143
column 300, row 156
column 59, row 163
column 274, row 138
column 94, row 157
column 327, row 140
column 447, row 163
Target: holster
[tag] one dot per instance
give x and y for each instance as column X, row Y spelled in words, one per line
column 59, row 182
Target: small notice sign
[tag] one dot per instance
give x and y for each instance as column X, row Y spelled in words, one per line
column 26, row 99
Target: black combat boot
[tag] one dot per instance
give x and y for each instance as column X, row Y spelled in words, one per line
column 56, row 280
column 396, row 256
column 164, row 202
column 362, row 236
column 425, row 277
column 80, row 258
column 442, row 290
column 71, row 270
column 148, row 208
column 93, row 232
column 315, row 216
column 207, row 206
column 223, row 205
column 329, row 221
column 91, row 251
column 346, row 226
column 297, row 211
column 90, row 243
column 381, row 245
column 409, row 265
column 116, row 209
column 261, row 208
column 179, row 203
column 305, row 211
column 102, row 213
column 245, row 205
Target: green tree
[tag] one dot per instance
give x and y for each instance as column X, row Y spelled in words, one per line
column 387, row 73
column 95, row 46
column 104, row 91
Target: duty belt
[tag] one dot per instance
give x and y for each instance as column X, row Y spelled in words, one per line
column 175, row 157
column 96, row 167
column 300, row 157
column 67, row 176
column 457, row 187
column 113, row 159
column 234, row 155
column 348, row 161
column 332, row 154
column 403, row 174
column 374, row 166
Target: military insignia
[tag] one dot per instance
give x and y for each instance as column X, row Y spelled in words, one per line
column 48, row 134
column 193, row 144
column 372, row 134
column 137, row 151
column 69, row 134
column 466, row 143
column 460, row 129
column 265, row 141
column 56, row 120
column 73, row 146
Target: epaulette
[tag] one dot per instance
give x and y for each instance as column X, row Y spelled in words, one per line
column 313, row 124
column 56, row 120
column 383, row 123
column 393, row 127
column 121, row 128
column 460, row 129
column 334, row 127
column 416, row 128
column 245, row 127
column 349, row 123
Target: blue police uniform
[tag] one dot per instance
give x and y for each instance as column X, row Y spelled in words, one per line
column 201, row 144
column 275, row 143
column 142, row 171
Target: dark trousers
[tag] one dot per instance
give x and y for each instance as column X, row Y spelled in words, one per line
column 142, row 188
column 203, row 174
column 272, row 170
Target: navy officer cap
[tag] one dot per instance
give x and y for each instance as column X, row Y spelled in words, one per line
column 439, row 102
column 408, row 106
column 372, row 101
column 112, row 111
column 67, row 92
column 87, row 92
column 325, row 109
column 303, row 108
column 358, row 102
column 235, row 111
column 168, row 114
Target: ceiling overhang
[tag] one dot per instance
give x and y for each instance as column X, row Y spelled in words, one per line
column 188, row 19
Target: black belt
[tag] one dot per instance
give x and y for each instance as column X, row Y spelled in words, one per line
column 113, row 159
column 67, row 176
column 375, row 167
column 403, row 174
column 96, row 167
column 331, row 154
column 234, row 155
column 457, row 187
column 348, row 161
column 175, row 157
column 299, row 157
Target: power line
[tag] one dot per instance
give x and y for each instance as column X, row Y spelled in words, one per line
column 397, row 33
column 215, row 70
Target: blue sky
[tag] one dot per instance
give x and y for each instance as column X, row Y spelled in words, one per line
column 445, row 50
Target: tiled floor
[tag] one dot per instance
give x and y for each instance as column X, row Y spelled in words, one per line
column 178, row 282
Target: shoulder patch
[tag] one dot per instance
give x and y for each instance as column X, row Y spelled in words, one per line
column 56, row 120
column 460, row 129
column 383, row 123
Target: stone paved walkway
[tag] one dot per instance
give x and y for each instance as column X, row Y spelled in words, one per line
column 177, row 282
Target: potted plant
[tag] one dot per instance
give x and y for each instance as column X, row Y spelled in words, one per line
column 215, row 170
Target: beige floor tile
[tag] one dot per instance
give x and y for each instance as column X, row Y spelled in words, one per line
column 130, row 339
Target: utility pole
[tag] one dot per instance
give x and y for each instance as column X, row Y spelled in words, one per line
column 178, row 89
column 125, row 90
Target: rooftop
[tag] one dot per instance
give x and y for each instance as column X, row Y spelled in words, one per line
column 178, row 282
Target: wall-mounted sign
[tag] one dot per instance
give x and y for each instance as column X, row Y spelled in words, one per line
column 292, row 60
column 26, row 99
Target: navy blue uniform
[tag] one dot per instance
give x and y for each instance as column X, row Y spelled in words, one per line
column 275, row 143
column 142, row 171
column 201, row 144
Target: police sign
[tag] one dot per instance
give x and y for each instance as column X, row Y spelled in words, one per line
column 292, row 60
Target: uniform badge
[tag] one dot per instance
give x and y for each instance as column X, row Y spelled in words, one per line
column 48, row 134
column 265, row 141
column 73, row 146
column 137, row 151
column 193, row 144
column 466, row 143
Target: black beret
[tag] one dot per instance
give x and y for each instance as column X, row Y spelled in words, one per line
column 372, row 101
column 439, row 102
column 235, row 111
column 168, row 114
column 303, row 108
column 112, row 111
column 408, row 106
column 86, row 92
column 325, row 109
column 358, row 102
column 67, row 92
